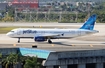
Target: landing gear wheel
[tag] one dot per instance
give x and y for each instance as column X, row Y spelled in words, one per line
column 49, row 41
column 18, row 40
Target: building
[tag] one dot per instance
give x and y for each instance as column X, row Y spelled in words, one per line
column 63, row 59
column 25, row 3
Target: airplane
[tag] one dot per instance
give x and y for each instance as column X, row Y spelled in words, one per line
column 41, row 35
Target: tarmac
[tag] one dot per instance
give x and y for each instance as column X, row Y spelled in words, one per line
column 89, row 42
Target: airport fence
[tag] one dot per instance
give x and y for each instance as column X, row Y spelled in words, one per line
column 49, row 16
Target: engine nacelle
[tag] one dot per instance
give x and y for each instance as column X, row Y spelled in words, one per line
column 40, row 39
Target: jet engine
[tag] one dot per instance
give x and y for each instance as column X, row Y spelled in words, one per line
column 40, row 39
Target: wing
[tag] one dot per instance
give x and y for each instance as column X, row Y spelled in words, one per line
column 48, row 35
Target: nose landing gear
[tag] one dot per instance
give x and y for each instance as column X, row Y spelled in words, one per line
column 18, row 40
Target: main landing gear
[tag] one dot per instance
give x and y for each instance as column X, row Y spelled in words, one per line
column 18, row 40
column 49, row 41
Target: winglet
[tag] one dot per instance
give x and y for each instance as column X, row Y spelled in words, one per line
column 89, row 24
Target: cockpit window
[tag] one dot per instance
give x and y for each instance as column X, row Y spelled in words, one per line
column 11, row 31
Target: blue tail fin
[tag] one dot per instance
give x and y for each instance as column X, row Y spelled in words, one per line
column 89, row 24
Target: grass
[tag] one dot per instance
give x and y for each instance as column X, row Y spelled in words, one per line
column 6, row 29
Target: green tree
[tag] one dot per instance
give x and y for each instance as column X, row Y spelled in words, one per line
column 0, row 55
column 11, row 60
column 0, row 59
column 32, row 62
column 11, row 11
column 7, row 61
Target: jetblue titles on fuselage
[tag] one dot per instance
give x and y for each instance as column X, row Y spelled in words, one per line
column 29, row 31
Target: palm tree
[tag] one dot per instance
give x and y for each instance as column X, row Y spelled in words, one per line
column 32, row 62
column 7, row 61
column 11, row 59
column 0, row 59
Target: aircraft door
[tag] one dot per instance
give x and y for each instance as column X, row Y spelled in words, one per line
column 19, row 32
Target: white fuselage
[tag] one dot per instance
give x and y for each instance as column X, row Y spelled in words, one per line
column 61, row 33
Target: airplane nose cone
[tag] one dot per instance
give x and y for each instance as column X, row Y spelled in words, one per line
column 9, row 34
